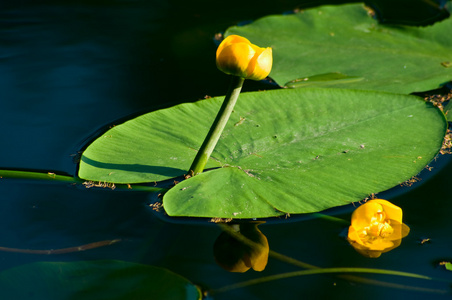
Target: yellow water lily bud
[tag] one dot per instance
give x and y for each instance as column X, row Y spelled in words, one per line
column 237, row 56
column 234, row 255
column 376, row 227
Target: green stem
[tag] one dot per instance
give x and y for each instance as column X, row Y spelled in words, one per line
column 52, row 177
column 217, row 127
column 332, row 271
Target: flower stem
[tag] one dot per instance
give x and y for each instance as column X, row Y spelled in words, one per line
column 217, row 127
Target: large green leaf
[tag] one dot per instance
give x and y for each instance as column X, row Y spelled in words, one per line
column 342, row 46
column 107, row 279
column 293, row 150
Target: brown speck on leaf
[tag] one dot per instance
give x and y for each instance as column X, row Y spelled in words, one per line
column 240, row 122
column 446, row 64
column 248, row 172
column 370, row 11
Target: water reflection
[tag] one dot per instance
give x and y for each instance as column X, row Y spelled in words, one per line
column 240, row 247
column 67, row 69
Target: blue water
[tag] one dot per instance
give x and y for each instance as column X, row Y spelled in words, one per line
column 71, row 69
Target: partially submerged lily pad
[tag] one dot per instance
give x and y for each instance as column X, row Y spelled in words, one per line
column 345, row 39
column 104, row 279
column 283, row 151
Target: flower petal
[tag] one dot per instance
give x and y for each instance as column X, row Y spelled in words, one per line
column 237, row 56
column 353, row 236
column 232, row 39
column 261, row 64
column 234, row 59
column 362, row 216
column 392, row 211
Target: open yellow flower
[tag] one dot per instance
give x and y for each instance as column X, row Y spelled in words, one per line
column 237, row 56
column 376, row 228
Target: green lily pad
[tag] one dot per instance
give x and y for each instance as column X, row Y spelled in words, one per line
column 346, row 40
column 283, row 151
column 106, row 279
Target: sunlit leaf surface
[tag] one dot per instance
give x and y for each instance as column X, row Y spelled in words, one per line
column 346, row 40
column 283, row 151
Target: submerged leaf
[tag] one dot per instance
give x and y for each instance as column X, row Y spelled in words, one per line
column 103, row 279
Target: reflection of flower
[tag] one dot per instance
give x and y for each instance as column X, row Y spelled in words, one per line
column 376, row 228
column 237, row 56
column 247, row 248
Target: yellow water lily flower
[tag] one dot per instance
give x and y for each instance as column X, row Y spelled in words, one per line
column 234, row 255
column 237, row 56
column 376, row 228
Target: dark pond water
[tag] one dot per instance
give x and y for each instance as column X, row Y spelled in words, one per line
column 69, row 69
